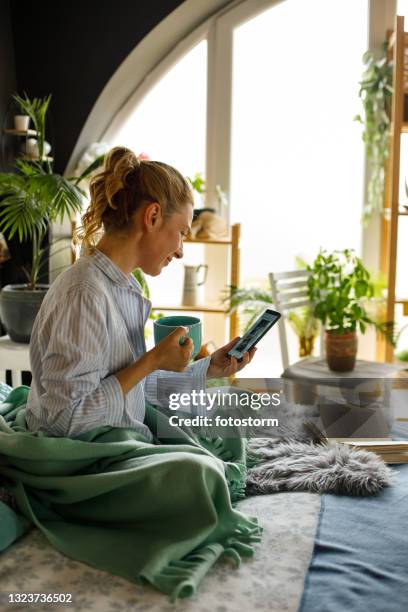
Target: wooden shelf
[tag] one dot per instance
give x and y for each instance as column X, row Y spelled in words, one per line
column 20, row 132
column 30, row 158
column 404, row 302
column 187, row 308
column 208, row 241
column 386, row 213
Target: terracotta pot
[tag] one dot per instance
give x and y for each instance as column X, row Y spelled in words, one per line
column 341, row 351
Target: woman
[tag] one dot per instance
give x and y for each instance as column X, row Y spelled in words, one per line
column 88, row 355
column 82, row 461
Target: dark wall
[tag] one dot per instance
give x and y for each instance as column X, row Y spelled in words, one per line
column 7, row 64
column 71, row 49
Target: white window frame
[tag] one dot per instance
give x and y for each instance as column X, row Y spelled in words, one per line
column 190, row 23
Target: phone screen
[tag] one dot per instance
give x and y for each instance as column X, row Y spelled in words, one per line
column 255, row 333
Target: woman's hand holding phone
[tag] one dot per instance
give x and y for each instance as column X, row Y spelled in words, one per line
column 170, row 355
column 222, row 365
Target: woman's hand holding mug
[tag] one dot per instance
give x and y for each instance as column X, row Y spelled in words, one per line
column 170, row 354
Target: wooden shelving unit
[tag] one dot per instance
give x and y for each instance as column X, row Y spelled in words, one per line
column 233, row 243
column 26, row 134
column 398, row 53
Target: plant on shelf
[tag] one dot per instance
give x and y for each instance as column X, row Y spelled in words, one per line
column 375, row 93
column 338, row 284
column 31, row 199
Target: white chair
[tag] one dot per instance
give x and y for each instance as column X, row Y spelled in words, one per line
column 14, row 356
column 289, row 291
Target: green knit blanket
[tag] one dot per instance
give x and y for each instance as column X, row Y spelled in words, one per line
column 159, row 513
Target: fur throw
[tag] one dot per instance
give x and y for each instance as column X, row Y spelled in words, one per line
column 302, row 466
column 293, row 459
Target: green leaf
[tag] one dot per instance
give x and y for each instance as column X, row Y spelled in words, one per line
column 361, row 288
column 197, row 182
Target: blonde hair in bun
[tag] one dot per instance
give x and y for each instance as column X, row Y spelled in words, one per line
column 123, row 185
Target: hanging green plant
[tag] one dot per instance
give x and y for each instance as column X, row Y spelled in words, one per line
column 375, row 93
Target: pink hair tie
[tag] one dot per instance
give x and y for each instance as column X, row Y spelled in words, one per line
column 143, row 157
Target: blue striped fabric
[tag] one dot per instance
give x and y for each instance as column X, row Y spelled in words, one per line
column 4, row 391
column 91, row 325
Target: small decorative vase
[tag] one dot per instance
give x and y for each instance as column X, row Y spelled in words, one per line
column 30, row 148
column 341, row 351
column 21, row 123
column 192, row 295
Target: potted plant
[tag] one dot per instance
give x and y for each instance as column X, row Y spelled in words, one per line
column 338, row 284
column 31, row 199
column 375, row 93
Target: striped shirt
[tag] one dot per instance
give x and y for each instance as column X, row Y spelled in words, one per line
column 91, row 325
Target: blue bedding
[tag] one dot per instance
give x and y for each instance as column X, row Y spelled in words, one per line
column 360, row 558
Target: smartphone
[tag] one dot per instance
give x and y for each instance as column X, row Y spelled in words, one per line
column 257, row 331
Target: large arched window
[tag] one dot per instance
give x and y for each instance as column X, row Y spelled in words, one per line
column 261, row 99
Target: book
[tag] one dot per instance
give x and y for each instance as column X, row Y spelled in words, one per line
column 390, row 451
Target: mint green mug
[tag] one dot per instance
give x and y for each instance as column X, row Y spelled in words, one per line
column 165, row 325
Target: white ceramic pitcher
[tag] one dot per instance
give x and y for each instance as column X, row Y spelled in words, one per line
column 192, row 289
